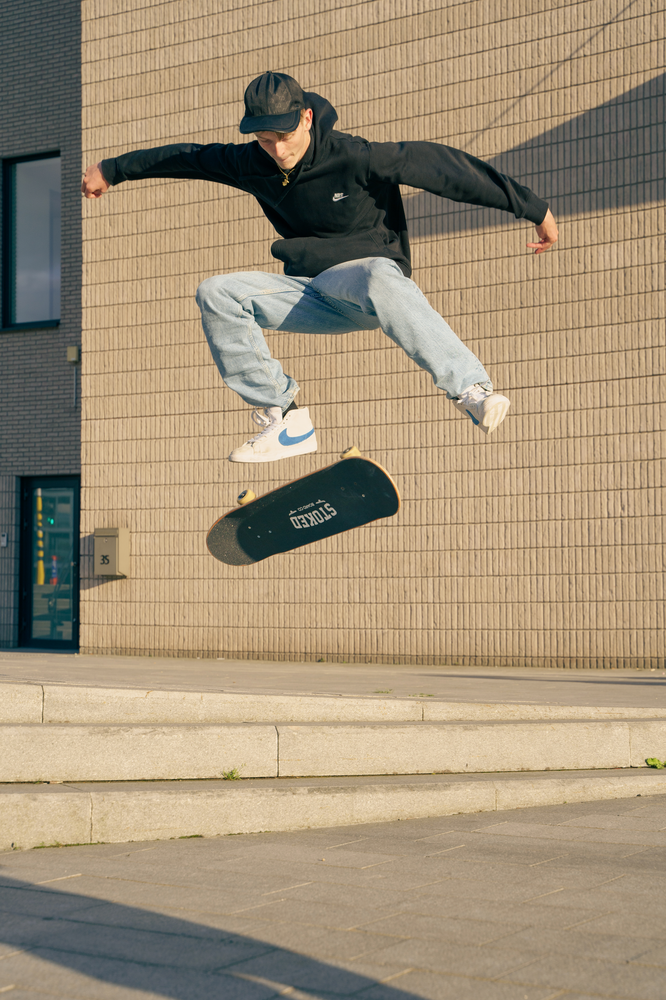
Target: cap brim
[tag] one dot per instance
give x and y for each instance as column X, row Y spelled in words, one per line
column 271, row 123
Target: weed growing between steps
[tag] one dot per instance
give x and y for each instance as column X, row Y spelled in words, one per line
column 234, row 774
column 653, row 762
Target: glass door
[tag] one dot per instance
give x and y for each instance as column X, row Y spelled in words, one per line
column 49, row 609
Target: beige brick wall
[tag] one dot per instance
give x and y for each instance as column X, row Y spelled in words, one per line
column 538, row 546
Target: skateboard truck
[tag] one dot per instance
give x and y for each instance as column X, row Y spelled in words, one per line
column 247, row 496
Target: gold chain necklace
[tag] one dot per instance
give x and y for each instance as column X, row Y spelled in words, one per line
column 286, row 174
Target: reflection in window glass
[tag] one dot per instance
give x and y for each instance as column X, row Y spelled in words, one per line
column 35, row 233
column 52, row 559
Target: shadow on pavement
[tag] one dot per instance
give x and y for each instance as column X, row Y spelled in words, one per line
column 603, row 678
column 166, row 956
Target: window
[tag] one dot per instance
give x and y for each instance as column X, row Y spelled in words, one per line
column 31, row 242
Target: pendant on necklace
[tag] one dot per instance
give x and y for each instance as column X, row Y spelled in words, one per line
column 285, row 182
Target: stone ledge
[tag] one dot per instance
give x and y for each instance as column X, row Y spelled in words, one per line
column 197, row 751
column 79, row 704
column 44, row 815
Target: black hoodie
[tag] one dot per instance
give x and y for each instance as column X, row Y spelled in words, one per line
column 343, row 200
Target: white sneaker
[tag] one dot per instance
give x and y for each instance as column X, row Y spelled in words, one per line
column 281, row 437
column 487, row 409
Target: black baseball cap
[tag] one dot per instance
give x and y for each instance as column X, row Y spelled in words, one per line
column 273, row 103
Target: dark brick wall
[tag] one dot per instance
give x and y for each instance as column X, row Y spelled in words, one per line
column 40, row 111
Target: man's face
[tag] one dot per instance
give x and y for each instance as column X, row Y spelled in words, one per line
column 287, row 150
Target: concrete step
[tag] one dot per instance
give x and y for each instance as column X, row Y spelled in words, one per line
column 82, row 704
column 44, row 815
column 98, row 752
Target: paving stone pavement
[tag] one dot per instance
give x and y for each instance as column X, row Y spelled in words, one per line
column 532, row 904
column 529, row 685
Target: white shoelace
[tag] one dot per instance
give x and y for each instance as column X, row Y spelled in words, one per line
column 475, row 394
column 263, row 419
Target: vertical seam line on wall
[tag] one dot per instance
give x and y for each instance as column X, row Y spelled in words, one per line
column 43, row 698
column 277, row 752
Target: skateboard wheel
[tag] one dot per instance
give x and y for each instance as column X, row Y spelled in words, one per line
column 247, row 496
column 352, row 452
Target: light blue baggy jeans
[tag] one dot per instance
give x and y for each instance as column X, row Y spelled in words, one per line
column 356, row 295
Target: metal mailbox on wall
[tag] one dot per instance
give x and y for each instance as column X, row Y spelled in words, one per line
column 111, row 552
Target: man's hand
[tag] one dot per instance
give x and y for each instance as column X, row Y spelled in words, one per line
column 93, row 184
column 547, row 233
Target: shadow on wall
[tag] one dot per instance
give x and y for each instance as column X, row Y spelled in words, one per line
column 611, row 157
column 164, row 956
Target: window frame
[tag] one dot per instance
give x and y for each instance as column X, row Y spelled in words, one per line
column 8, row 208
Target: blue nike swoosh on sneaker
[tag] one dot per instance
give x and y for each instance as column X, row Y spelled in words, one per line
column 283, row 437
column 471, row 417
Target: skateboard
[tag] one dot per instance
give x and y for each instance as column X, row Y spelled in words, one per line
column 341, row 496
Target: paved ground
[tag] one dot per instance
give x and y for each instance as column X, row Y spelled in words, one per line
column 625, row 688
column 561, row 901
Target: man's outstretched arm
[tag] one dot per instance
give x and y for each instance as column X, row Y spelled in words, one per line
column 451, row 173
column 221, row 163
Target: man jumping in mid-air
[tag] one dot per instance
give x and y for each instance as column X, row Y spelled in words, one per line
column 335, row 201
